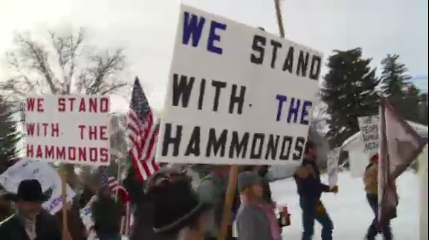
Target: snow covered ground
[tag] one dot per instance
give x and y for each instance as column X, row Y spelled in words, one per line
column 349, row 210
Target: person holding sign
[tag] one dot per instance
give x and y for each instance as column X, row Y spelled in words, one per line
column 31, row 222
column 310, row 188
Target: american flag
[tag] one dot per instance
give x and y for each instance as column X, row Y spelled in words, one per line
column 142, row 133
column 122, row 194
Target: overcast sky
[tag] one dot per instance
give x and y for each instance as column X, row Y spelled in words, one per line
column 146, row 29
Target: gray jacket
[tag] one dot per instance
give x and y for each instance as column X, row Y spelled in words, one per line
column 212, row 190
column 252, row 223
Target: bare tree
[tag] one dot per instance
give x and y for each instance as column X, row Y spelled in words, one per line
column 63, row 65
column 318, row 120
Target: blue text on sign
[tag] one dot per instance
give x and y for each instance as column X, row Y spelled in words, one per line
column 297, row 108
column 193, row 28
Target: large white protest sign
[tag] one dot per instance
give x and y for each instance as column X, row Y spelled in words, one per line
column 333, row 166
column 45, row 174
column 69, row 129
column 236, row 94
column 369, row 132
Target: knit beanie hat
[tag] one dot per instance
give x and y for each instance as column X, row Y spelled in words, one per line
column 247, row 179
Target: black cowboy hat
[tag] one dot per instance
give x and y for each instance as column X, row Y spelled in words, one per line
column 30, row 190
column 176, row 205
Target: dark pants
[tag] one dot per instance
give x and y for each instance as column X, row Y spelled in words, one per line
column 109, row 236
column 310, row 214
column 373, row 229
column 215, row 238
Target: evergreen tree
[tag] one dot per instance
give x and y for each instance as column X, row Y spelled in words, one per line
column 349, row 92
column 395, row 83
column 394, row 78
column 9, row 136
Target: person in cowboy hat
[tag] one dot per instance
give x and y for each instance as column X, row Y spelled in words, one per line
column 31, row 221
column 177, row 209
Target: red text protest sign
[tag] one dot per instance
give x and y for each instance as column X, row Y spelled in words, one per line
column 69, row 129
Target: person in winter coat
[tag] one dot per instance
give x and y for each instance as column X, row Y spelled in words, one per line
column 107, row 215
column 143, row 209
column 212, row 191
column 370, row 180
column 31, row 222
column 256, row 218
column 75, row 225
column 310, row 188
column 177, row 210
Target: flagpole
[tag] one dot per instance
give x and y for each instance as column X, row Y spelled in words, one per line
column 118, row 178
column 279, row 18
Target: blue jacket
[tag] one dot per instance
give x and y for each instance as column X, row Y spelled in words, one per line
column 308, row 180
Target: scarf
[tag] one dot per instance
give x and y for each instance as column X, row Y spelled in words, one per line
column 269, row 211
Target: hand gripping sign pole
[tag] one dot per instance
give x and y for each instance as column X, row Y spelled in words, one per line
column 232, row 182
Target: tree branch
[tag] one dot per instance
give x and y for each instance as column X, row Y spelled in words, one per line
column 37, row 56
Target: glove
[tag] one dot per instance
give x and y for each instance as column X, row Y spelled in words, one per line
column 320, row 208
column 335, row 189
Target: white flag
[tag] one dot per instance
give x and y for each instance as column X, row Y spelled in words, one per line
column 333, row 166
column 403, row 142
column 399, row 145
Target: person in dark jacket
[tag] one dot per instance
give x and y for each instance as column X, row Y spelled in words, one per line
column 107, row 215
column 310, row 188
column 143, row 209
column 177, row 210
column 31, row 222
column 75, row 225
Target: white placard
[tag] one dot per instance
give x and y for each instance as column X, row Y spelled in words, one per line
column 87, row 215
column 236, row 94
column 69, row 129
column 333, row 166
column 369, row 132
column 45, row 174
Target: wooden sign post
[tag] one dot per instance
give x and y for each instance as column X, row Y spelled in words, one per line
column 63, row 173
column 279, row 18
column 229, row 197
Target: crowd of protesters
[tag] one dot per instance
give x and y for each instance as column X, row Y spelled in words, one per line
column 168, row 207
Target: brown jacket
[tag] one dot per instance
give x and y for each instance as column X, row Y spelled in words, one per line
column 370, row 180
column 74, row 223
